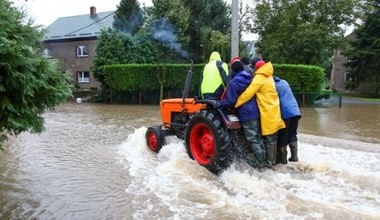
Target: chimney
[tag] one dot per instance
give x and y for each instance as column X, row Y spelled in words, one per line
column 93, row 11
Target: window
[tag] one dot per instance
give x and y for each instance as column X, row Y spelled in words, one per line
column 48, row 52
column 82, row 51
column 83, row 77
column 347, row 77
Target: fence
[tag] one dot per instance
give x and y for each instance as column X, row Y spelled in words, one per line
column 152, row 97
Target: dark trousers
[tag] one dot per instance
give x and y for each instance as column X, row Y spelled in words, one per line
column 289, row 134
column 253, row 136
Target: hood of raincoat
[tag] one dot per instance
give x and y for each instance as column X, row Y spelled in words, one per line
column 266, row 69
column 215, row 56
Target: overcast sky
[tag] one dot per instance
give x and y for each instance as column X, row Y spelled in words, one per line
column 46, row 12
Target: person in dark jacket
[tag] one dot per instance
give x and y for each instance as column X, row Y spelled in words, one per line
column 255, row 59
column 247, row 67
column 290, row 113
column 248, row 113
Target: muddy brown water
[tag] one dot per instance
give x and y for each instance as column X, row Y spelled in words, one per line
column 92, row 163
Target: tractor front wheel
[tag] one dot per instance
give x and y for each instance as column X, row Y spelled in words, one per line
column 154, row 138
column 208, row 142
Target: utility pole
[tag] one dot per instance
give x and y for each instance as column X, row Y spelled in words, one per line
column 235, row 29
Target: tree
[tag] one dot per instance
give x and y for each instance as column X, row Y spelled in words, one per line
column 141, row 48
column 166, row 32
column 128, row 17
column 246, row 16
column 246, row 12
column 110, row 50
column 211, row 14
column 29, row 82
column 302, row 32
column 169, row 19
column 216, row 41
column 364, row 52
column 175, row 14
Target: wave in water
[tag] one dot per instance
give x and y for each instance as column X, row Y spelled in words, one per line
column 327, row 183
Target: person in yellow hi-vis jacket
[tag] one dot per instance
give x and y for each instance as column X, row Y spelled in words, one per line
column 214, row 77
column 264, row 88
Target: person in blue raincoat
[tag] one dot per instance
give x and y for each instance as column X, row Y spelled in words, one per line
column 248, row 113
column 263, row 87
column 290, row 114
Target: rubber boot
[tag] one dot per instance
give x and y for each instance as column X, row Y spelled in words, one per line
column 293, row 152
column 271, row 153
column 257, row 152
column 278, row 161
column 253, row 137
column 282, row 155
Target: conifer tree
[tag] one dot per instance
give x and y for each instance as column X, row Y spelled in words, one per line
column 29, row 82
column 205, row 16
column 110, row 50
column 128, row 17
column 364, row 53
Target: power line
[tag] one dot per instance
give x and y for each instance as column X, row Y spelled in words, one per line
column 91, row 24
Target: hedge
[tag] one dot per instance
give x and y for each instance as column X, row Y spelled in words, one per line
column 143, row 77
column 132, row 77
column 302, row 78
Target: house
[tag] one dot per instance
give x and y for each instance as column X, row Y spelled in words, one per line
column 340, row 73
column 73, row 40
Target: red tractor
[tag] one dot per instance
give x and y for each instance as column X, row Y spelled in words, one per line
column 213, row 137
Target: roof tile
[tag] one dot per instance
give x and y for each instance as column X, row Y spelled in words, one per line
column 79, row 26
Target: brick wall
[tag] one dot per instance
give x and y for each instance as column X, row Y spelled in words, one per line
column 65, row 52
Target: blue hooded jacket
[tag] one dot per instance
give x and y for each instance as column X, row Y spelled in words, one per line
column 235, row 87
column 288, row 103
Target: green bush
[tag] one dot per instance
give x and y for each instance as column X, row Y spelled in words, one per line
column 172, row 77
column 324, row 94
column 306, row 99
column 131, row 77
column 302, row 78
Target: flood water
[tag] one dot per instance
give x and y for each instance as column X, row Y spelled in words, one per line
column 92, row 163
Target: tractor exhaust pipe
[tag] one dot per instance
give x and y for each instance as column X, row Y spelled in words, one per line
column 187, row 85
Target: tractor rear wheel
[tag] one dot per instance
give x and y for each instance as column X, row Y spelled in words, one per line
column 208, row 142
column 154, row 138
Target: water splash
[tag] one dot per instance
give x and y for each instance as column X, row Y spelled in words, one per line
column 323, row 182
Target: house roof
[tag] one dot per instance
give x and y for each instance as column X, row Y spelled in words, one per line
column 79, row 26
